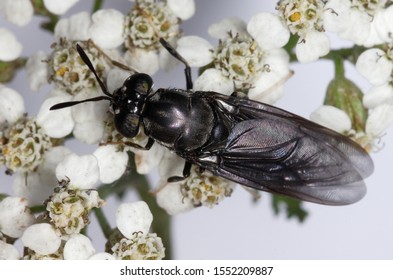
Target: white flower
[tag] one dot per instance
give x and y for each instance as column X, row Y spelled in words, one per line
column 15, row 216
column 74, row 81
column 305, row 19
column 376, row 66
column 133, row 217
column 332, row 118
column 78, row 247
column 8, row 251
column 24, row 146
column 59, row 7
column 198, row 189
column 10, row 48
column 81, row 171
column 41, row 238
column 133, row 221
column 19, row 12
column 240, row 61
column 362, row 22
column 68, row 209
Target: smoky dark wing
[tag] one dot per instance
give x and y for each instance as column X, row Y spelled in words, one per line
column 273, row 150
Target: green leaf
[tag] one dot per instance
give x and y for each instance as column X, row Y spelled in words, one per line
column 292, row 207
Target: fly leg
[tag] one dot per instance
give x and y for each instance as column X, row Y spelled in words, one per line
column 176, row 55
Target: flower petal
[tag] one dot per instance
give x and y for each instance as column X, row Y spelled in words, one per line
column 10, row 48
column 59, row 123
column 315, row 45
column 143, row 60
column 220, row 29
column 133, row 217
column 78, row 247
column 374, row 66
column 15, row 216
column 268, row 31
column 41, row 238
column 213, row 80
column 116, row 78
column 183, row 9
column 145, row 161
column 107, row 28
column 12, row 106
column 172, row 200
column 37, row 70
column 336, row 15
column 378, row 95
column 332, row 118
column 59, row 7
column 8, row 251
column 195, row 50
column 74, row 28
column 379, row 120
column 89, row 118
column 269, row 87
column 82, row 171
column 111, row 162
column 19, row 12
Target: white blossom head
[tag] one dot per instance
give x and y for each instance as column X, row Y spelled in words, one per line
column 68, row 209
column 147, row 22
column 23, row 146
column 68, row 71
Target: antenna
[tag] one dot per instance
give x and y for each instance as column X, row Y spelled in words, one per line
column 104, row 89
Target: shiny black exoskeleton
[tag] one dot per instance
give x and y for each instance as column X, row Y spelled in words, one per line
column 251, row 143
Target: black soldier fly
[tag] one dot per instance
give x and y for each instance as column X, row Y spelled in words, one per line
column 248, row 142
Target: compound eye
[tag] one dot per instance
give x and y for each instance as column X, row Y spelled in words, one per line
column 139, row 82
column 127, row 124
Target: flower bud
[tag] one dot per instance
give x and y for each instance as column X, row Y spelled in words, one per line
column 345, row 95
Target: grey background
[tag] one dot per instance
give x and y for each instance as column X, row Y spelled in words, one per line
column 238, row 228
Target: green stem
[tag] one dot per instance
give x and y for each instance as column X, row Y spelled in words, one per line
column 37, row 209
column 339, row 68
column 97, row 5
column 103, row 221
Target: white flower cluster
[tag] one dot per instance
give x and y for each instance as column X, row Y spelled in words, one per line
column 365, row 23
column 250, row 58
